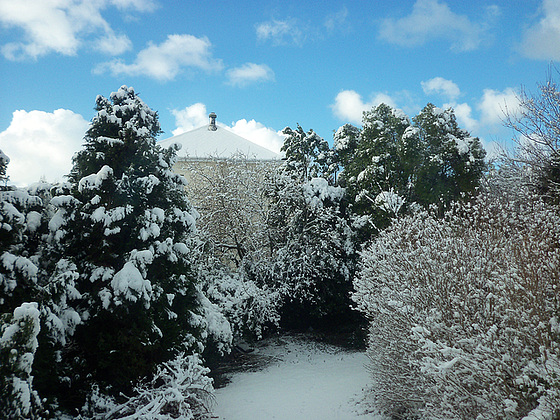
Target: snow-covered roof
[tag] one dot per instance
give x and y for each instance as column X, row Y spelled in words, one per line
column 212, row 141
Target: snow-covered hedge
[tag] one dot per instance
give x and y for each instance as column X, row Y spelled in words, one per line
column 464, row 312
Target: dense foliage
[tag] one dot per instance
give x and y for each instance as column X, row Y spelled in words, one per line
column 314, row 256
column 464, row 311
column 113, row 303
column 393, row 164
column 123, row 226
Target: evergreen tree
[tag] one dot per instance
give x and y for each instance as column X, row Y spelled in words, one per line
column 20, row 231
column 18, row 343
column 307, row 154
column 452, row 160
column 21, row 227
column 374, row 161
column 393, row 163
column 119, row 239
column 313, row 257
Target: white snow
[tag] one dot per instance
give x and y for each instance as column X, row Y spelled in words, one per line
column 130, row 283
column 389, row 201
column 33, row 221
column 318, row 190
column 23, row 313
column 306, row 381
column 94, row 181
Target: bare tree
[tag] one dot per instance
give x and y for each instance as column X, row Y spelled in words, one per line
column 537, row 124
column 230, row 195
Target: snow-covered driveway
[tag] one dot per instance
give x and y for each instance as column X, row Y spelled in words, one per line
column 306, row 380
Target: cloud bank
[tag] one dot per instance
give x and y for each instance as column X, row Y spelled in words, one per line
column 165, row 61
column 249, row 73
column 349, row 105
column 41, row 144
column 281, row 32
column 441, row 86
column 65, row 27
column 541, row 41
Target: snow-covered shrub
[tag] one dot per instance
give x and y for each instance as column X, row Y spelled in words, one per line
column 18, row 343
column 180, row 389
column 250, row 309
column 464, row 311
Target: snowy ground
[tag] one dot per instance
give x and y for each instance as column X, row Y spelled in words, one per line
column 304, row 380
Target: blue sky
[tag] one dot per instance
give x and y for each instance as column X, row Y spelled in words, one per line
column 261, row 66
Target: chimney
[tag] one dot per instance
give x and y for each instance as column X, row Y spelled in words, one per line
column 212, row 125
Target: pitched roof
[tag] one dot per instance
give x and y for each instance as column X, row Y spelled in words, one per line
column 212, row 141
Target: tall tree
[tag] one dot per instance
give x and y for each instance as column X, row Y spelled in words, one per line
column 393, row 162
column 374, row 161
column 21, row 227
column 313, row 257
column 120, row 236
column 452, row 160
column 307, row 154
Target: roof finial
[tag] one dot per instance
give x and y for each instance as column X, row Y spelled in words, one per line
column 212, row 125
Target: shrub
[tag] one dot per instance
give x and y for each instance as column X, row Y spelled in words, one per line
column 180, row 389
column 464, row 312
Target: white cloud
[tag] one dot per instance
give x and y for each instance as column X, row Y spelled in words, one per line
column 139, row 5
column 249, row 73
column 41, row 144
column 189, row 118
column 442, row 86
column 541, row 41
column 494, row 105
column 429, row 20
column 165, row 61
column 196, row 115
column 463, row 112
column 281, row 32
column 259, row 134
column 113, row 44
column 491, row 108
column 62, row 27
column 349, row 105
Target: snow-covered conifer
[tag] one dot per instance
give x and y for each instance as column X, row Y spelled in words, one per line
column 120, row 238
column 426, row 161
column 313, row 264
column 307, row 154
column 18, row 343
column 22, row 221
column 313, row 248
column 452, row 160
